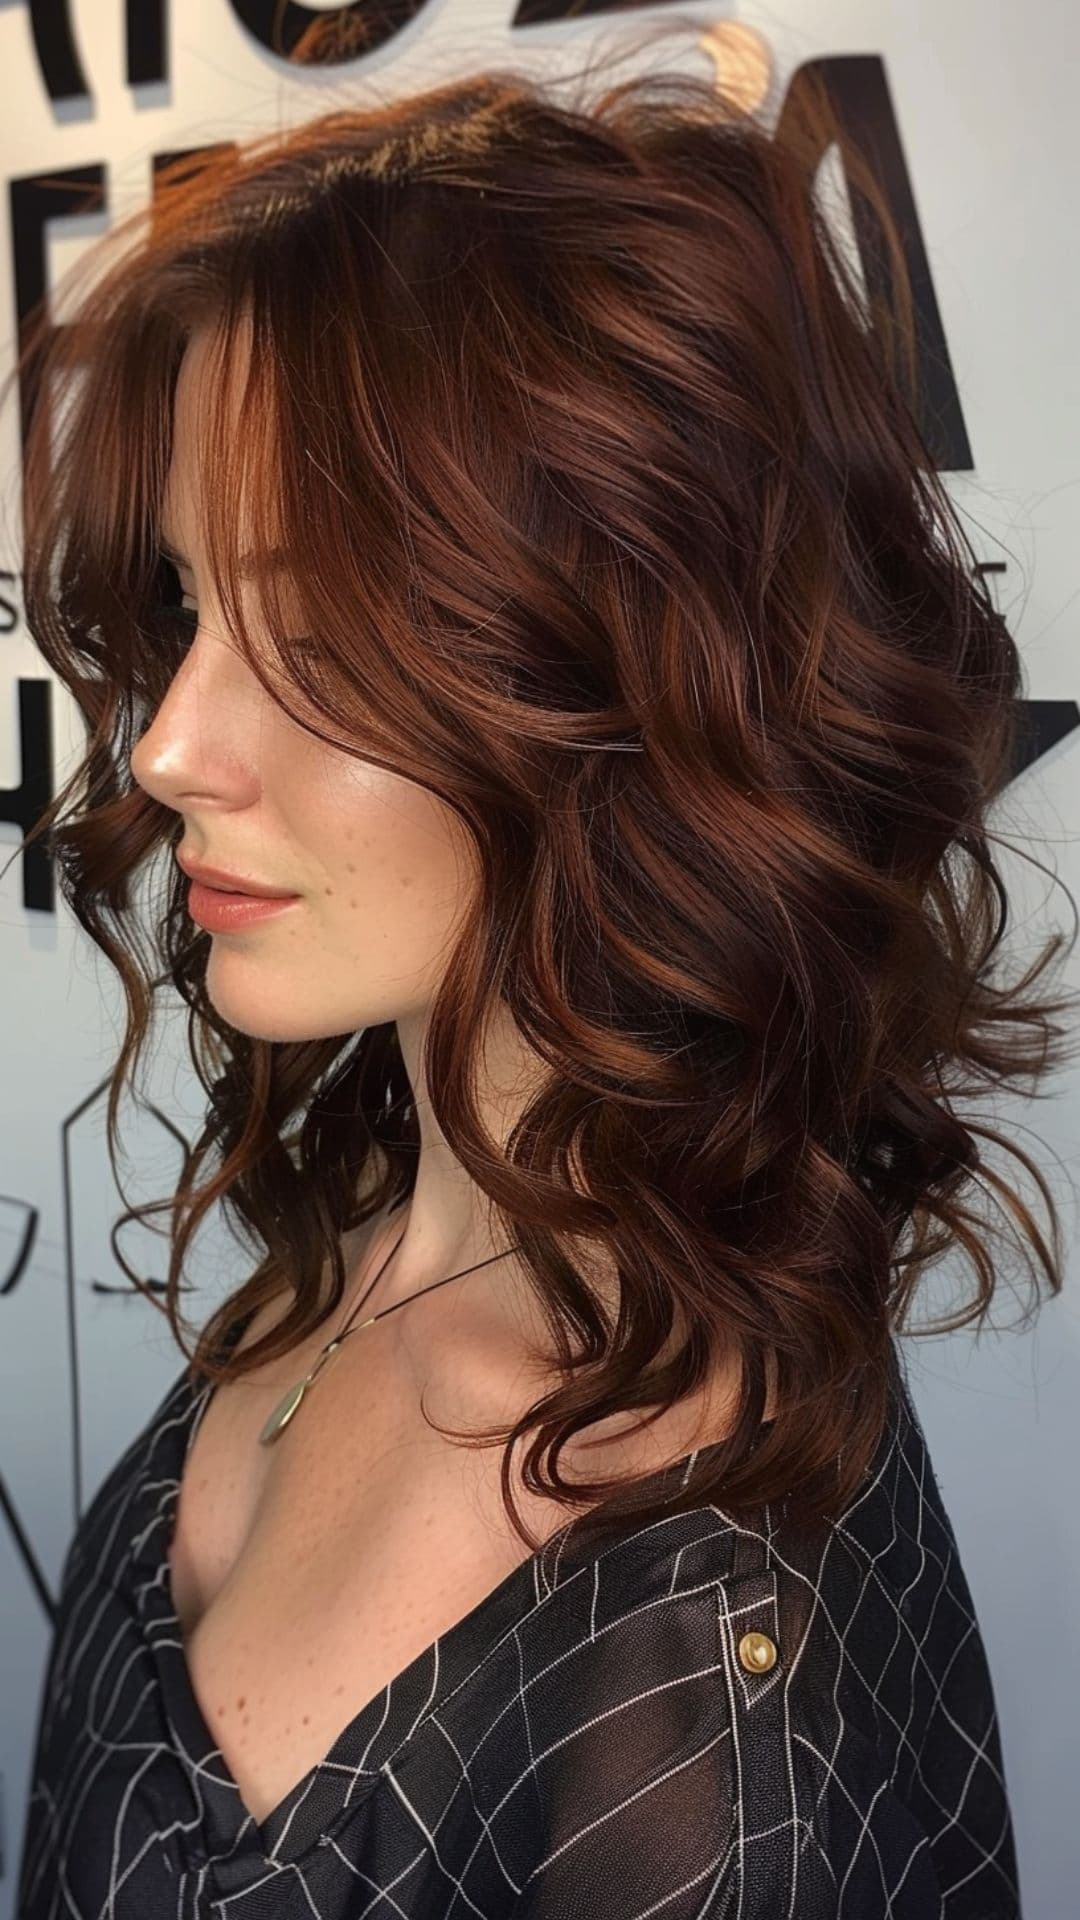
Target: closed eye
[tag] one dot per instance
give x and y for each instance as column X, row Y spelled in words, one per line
column 182, row 620
column 168, row 616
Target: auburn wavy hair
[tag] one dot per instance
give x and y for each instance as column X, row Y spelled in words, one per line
column 599, row 477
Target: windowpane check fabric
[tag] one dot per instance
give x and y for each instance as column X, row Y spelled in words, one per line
column 586, row 1744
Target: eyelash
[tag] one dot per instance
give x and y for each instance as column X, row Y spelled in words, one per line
column 167, row 611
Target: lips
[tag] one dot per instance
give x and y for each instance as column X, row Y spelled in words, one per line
column 231, row 883
column 221, row 912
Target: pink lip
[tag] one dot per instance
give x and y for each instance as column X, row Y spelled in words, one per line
column 226, row 882
column 221, row 912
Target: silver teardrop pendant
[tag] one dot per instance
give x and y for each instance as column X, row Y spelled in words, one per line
column 283, row 1412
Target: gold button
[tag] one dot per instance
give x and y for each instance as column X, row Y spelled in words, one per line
column 757, row 1652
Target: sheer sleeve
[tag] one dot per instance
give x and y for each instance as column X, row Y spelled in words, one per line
column 634, row 1781
column 676, row 1774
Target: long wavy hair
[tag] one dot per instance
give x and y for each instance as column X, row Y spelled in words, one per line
column 598, row 475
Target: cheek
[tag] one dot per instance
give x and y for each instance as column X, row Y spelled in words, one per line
column 396, row 869
column 386, row 872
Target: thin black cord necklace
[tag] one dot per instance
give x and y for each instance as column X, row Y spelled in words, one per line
column 289, row 1402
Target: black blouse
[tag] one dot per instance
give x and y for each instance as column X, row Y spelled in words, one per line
column 598, row 1739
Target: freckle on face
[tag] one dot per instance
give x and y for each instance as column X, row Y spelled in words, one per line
column 364, row 956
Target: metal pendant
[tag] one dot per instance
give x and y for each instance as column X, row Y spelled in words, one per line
column 283, row 1413
column 288, row 1404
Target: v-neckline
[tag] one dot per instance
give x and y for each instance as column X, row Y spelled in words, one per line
column 240, row 1847
column 330, row 1790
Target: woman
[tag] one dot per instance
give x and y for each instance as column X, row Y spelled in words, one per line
column 489, row 531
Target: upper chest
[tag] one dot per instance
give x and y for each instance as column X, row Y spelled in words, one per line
column 308, row 1573
column 358, row 1488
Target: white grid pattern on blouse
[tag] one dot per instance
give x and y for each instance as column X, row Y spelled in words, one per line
column 586, row 1742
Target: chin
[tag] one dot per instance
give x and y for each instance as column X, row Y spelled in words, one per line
column 258, row 1016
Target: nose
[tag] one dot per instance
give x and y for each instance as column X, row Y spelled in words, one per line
column 200, row 746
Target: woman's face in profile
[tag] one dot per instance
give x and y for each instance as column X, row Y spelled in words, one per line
column 379, row 865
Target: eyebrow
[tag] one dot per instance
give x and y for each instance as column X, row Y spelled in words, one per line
column 276, row 560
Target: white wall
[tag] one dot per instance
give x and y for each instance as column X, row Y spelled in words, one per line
column 985, row 99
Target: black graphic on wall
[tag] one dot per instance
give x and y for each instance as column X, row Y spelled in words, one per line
column 322, row 36
column 19, row 1223
column 858, row 89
